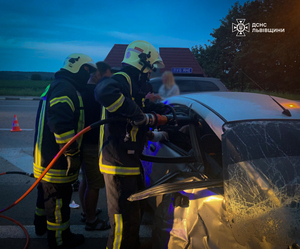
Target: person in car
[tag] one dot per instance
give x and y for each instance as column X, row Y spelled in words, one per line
column 169, row 87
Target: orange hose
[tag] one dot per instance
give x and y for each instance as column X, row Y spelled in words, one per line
column 48, row 167
column 20, row 225
column 45, row 172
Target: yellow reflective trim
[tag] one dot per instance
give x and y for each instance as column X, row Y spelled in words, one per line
column 117, row 170
column 40, row 211
column 117, row 104
column 58, row 237
column 38, row 145
column 133, row 133
column 45, row 92
column 101, row 134
column 58, row 226
column 64, row 137
column 63, row 99
column 128, row 80
column 118, row 231
column 53, row 175
column 57, row 212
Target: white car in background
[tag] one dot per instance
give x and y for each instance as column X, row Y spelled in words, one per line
column 229, row 174
column 189, row 84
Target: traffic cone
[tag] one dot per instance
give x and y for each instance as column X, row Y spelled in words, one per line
column 16, row 126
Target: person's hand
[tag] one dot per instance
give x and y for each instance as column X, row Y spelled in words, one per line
column 139, row 119
column 157, row 97
column 149, row 96
column 74, row 163
column 152, row 97
column 160, row 108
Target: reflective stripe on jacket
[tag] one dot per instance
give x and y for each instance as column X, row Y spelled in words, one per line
column 120, row 97
column 60, row 116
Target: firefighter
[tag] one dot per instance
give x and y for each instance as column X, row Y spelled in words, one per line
column 60, row 116
column 122, row 143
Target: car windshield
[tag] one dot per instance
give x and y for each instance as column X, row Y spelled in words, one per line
column 261, row 161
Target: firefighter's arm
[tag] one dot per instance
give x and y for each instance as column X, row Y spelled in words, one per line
column 113, row 96
column 62, row 122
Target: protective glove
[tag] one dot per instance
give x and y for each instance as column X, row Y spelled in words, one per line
column 139, row 120
column 74, row 163
column 159, row 108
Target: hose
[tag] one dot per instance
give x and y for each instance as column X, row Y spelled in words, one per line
column 174, row 114
column 92, row 126
column 17, row 173
column 20, row 225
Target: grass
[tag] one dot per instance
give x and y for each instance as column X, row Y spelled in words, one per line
column 36, row 88
column 22, row 87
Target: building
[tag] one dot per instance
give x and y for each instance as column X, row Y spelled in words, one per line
column 180, row 61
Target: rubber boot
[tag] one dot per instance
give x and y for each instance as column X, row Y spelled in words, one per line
column 69, row 240
column 40, row 224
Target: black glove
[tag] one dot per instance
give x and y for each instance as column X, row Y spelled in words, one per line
column 74, row 163
column 159, row 108
column 139, row 120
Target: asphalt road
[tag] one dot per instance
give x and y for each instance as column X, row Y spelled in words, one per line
column 16, row 155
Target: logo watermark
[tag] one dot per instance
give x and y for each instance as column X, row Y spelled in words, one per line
column 241, row 28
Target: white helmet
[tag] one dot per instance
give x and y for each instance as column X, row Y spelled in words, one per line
column 74, row 62
column 143, row 56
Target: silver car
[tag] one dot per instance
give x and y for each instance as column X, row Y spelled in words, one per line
column 229, row 174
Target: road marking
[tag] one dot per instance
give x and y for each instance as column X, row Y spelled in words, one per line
column 18, row 158
column 15, row 232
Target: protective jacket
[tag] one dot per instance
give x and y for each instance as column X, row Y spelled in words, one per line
column 121, row 143
column 60, row 116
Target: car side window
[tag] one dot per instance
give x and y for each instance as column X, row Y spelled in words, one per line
column 179, row 135
column 186, row 86
column 211, row 149
column 209, row 144
column 196, row 86
column 205, row 86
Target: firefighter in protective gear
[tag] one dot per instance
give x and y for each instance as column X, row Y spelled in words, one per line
column 121, row 143
column 60, row 116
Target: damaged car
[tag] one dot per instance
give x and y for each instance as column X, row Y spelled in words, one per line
column 228, row 173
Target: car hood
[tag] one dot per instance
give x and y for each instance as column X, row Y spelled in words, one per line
column 233, row 106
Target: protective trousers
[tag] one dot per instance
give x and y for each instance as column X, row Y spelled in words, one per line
column 55, row 198
column 124, row 216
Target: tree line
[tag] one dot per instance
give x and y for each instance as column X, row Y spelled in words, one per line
column 256, row 47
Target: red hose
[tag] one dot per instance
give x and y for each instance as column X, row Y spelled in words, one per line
column 92, row 126
column 20, row 225
column 37, row 181
column 48, row 167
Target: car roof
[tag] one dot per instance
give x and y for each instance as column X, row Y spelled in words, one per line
column 218, row 108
